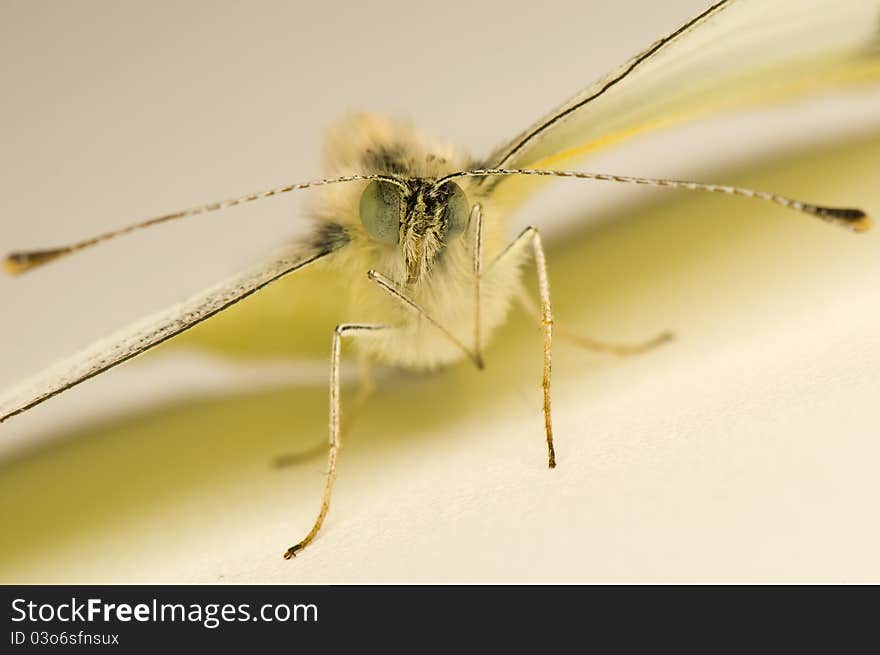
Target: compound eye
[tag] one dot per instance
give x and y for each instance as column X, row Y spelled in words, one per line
column 457, row 211
column 381, row 211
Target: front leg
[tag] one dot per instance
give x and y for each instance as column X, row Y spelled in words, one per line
column 530, row 236
column 344, row 330
column 476, row 219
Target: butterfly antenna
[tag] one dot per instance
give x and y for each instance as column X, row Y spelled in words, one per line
column 853, row 219
column 19, row 262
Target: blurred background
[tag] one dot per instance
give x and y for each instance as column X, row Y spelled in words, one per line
column 742, row 452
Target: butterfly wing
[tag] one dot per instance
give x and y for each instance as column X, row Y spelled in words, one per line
column 148, row 333
column 736, row 54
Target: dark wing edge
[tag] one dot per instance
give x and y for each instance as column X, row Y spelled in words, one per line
column 147, row 333
column 505, row 155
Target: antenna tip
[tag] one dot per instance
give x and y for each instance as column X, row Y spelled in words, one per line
column 863, row 224
column 854, row 219
column 17, row 263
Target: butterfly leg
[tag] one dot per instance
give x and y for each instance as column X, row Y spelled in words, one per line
column 344, row 330
column 530, row 236
column 476, row 219
column 592, row 344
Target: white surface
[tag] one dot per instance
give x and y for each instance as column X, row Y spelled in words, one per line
column 745, row 451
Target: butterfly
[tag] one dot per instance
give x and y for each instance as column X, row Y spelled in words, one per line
column 419, row 227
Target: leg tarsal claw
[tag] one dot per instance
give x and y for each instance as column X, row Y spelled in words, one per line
column 292, row 551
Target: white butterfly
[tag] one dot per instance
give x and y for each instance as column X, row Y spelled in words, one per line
column 419, row 227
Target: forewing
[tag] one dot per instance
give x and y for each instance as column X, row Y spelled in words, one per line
column 737, row 53
column 147, row 333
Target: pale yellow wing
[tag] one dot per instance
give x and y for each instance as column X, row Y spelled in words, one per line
column 146, row 334
column 736, row 54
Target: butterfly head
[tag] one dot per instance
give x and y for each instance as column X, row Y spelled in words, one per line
column 417, row 216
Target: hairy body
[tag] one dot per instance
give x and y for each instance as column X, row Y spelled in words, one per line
column 444, row 282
